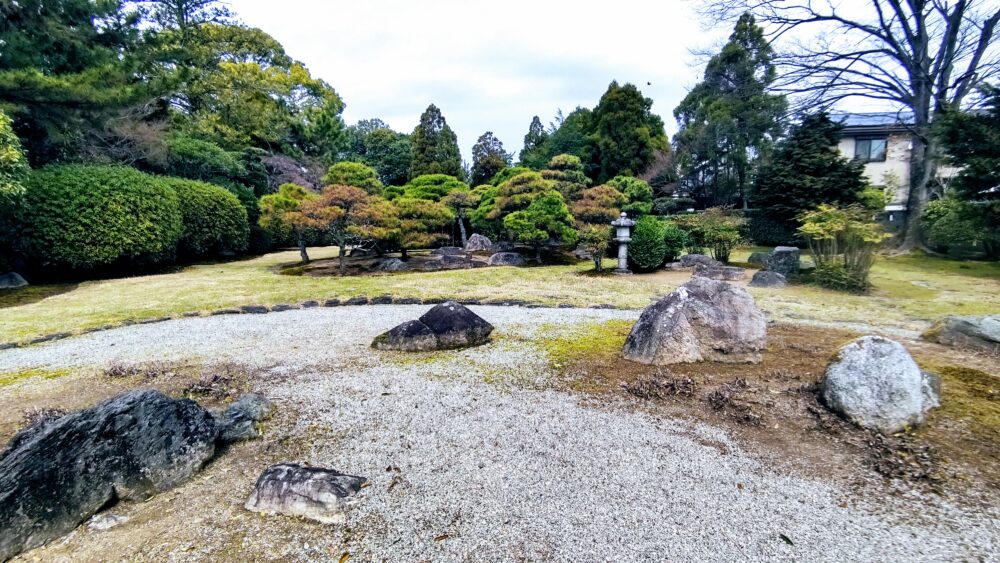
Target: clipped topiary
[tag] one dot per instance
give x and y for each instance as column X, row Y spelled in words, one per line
column 647, row 249
column 674, row 239
column 215, row 221
column 354, row 174
column 82, row 216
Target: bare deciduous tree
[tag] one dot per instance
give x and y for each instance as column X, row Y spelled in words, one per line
column 918, row 55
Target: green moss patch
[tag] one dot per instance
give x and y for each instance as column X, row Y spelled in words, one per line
column 590, row 343
column 12, row 377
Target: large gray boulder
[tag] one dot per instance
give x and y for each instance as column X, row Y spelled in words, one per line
column 875, row 383
column 764, row 278
column 448, row 250
column 12, row 280
column 759, row 259
column 390, row 265
column 785, row 260
column 703, row 320
column 311, row 492
column 59, row 473
column 478, row 243
column 977, row 333
column 446, row 326
column 506, row 259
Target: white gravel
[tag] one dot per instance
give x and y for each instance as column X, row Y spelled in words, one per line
column 513, row 470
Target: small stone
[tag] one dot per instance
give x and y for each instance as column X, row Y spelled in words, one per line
column 309, row 304
column 104, row 522
column 254, row 309
column 360, row 300
column 331, row 303
column 238, row 421
column 281, row 307
column 381, row 300
column 723, row 273
column 225, row 312
column 765, row 278
column 390, row 265
column 319, row 494
column 407, row 301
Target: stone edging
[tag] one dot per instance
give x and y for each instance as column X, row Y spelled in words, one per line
column 263, row 309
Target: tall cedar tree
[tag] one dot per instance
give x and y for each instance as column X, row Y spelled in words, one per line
column 572, row 134
column 434, row 146
column 488, row 159
column 807, row 170
column 533, row 139
column 729, row 121
column 627, row 132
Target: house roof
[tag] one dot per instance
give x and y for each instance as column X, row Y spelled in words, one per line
column 873, row 122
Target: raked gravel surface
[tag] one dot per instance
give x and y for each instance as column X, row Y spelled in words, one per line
column 488, row 461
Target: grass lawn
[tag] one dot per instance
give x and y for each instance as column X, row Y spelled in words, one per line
column 909, row 292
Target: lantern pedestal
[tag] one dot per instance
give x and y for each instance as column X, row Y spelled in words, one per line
column 623, row 236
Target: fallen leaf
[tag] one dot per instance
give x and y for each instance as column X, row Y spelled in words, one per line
column 344, row 557
column 739, row 486
column 442, row 537
column 786, row 538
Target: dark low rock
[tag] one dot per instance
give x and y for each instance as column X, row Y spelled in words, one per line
column 281, row 307
column 766, row 278
column 360, row 300
column 381, row 300
column 309, row 304
column 448, row 251
column 695, row 260
column 239, row 420
column 8, row 345
column 785, row 260
column 976, row 333
column 57, row 474
column 759, row 259
column 506, row 259
column 50, row 337
column 411, row 336
column 225, row 312
column 722, row 273
column 254, row 309
column 331, row 303
column 311, row 492
column 12, row 280
column 478, row 243
column 407, row 301
column 390, row 265
column 446, row 326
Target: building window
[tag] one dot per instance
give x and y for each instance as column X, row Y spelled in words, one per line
column 870, row 149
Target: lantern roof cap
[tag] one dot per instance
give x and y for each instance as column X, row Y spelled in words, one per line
column 624, row 221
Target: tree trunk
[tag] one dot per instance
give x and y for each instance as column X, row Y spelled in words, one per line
column 598, row 262
column 538, row 253
column 302, row 249
column 922, row 170
column 461, row 227
column 402, row 254
column 343, row 258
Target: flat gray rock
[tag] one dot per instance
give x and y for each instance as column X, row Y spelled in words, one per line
column 759, row 258
column 506, row 259
column 977, row 333
column 310, row 492
column 875, row 383
column 703, row 320
column 721, row 273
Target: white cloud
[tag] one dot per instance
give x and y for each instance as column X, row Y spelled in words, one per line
column 487, row 65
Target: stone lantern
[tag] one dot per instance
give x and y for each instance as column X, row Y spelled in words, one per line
column 623, row 236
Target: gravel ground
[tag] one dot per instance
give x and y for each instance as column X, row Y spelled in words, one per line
column 475, row 456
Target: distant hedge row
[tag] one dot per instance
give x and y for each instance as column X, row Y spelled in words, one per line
column 87, row 217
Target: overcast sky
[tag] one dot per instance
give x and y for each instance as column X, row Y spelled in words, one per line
column 489, row 66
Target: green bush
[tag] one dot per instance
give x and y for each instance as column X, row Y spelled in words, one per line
column 188, row 157
column 952, row 224
column 354, row 174
column 85, row 217
column 215, row 221
column 842, row 242
column 834, row 275
column 672, row 205
column 675, row 240
column 638, row 195
column 432, row 186
column 715, row 229
column 648, row 246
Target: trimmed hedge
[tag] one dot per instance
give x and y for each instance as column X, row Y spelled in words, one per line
column 85, row 217
column 215, row 220
column 648, row 246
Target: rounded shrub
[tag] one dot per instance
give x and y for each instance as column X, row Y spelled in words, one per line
column 215, row 220
column 674, row 240
column 83, row 216
column 647, row 249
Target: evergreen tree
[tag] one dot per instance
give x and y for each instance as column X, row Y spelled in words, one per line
column 488, row 159
column 566, row 173
column 545, row 220
column 638, row 195
column 807, row 170
column 534, row 139
column 627, row 132
column 434, row 146
column 728, row 122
